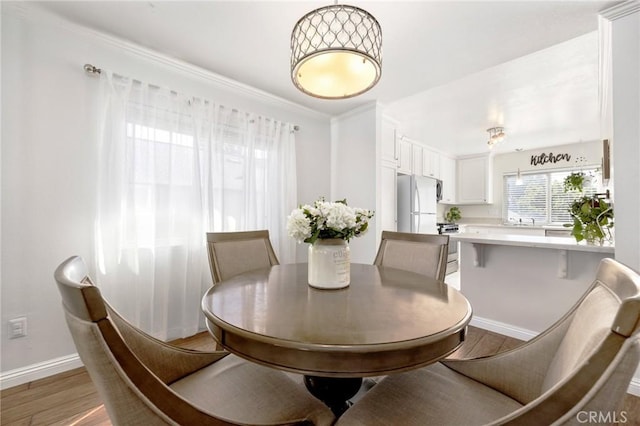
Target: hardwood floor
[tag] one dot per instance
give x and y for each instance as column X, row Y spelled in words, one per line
column 70, row 398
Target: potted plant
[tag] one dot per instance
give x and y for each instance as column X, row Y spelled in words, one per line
column 592, row 219
column 452, row 215
column 574, row 182
column 328, row 227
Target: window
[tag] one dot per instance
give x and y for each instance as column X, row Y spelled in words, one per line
column 162, row 178
column 541, row 197
column 171, row 168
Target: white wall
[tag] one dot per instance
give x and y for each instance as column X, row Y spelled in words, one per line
column 509, row 164
column 355, row 140
column 626, row 135
column 49, row 158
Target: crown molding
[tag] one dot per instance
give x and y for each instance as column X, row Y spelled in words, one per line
column 26, row 10
column 371, row 105
column 621, row 10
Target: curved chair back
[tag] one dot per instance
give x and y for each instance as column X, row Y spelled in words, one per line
column 424, row 254
column 582, row 364
column 584, row 361
column 232, row 253
column 144, row 381
column 131, row 393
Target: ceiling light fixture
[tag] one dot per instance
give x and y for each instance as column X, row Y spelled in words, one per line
column 336, row 52
column 518, row 178
column 496, row 135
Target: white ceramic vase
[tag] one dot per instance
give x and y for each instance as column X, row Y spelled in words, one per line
column 329, row 264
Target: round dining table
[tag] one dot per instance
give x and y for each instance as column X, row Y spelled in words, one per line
column 386, row 321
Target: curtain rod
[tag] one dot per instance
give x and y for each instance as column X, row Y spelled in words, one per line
column 93, row 70
column 90, row 69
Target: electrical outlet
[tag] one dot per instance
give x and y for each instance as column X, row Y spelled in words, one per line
column 17, row 327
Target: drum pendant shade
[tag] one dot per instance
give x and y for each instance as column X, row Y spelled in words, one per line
column 336, row 52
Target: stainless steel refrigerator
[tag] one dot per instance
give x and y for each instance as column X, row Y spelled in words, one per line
column 417, row 204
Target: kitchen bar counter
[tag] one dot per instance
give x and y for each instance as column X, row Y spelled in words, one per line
column 560, row 243
column 519, row 285
column 524, row 225
column 516, row 229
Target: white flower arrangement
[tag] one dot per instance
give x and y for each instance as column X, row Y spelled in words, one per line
column 327, row 220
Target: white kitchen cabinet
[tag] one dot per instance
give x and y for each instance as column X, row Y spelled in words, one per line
column 387, row 213
column 470, row 229
column 405, row 156
column 449, row 179
column 416, row 156
column 389, row 145
column 430, row 163
column 475, row 179
column 386, row 204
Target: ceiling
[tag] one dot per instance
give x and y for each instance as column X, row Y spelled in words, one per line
column 427, row 45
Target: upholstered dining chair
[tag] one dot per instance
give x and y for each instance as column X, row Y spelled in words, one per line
column 582, row 364
column 232, row 253
column 424, row 254
column 144, row 381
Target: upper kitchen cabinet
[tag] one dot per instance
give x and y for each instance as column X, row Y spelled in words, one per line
column 475, row 179
column 416, row 157
column 405, row 156
column 389, row 145
column 431, row 163
column 449, row 179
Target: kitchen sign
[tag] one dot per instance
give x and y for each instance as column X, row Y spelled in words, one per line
column 544, row 158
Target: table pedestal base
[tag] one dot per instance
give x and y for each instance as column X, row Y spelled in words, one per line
column 333, row 391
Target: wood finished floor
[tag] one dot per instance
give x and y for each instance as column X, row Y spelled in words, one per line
column 70, row 398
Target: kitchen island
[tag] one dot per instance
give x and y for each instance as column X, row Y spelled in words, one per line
column 519, row 285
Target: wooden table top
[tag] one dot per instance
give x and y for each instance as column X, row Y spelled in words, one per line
column 386, row 321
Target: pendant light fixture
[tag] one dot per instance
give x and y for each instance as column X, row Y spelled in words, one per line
column 336, row 52
column 496, row 135
column 518, row 178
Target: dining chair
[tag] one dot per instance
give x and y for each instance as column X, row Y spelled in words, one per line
column 424, row 254
column 144, row 381
column 232, row 253
column 582, row 364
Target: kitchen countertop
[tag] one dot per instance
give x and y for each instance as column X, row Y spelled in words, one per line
column 514, row 226
column 559, row 243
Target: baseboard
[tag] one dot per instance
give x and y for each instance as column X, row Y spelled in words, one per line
column 38, row 371
column 60, row 365
column 502, row 328
column 524, row 334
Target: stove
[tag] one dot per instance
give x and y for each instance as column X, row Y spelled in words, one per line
column 452, row 257
column 447, row 228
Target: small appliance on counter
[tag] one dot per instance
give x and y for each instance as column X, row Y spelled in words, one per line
column 452, row 257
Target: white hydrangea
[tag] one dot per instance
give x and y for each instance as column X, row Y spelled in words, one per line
column 340, row 216
column 327, row 220
column 298, row 225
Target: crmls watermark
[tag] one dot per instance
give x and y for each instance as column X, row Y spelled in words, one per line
column 602, row 417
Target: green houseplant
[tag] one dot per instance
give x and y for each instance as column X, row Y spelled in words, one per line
column 574, row 182
column 452, row 215
column 592, row 219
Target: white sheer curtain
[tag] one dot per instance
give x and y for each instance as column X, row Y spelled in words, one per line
column 171, row 168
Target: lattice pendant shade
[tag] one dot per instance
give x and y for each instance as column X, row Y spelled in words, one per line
column 336, row 52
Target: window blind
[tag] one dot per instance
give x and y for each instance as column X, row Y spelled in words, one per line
column 541, row 196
